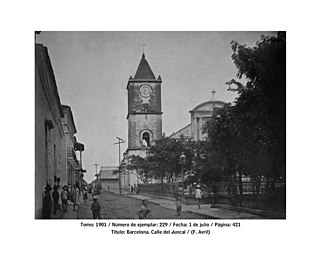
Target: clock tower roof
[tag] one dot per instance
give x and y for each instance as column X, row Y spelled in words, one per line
column 144, row 70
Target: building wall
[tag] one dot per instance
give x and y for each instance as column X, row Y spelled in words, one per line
column 70, row 176
column 112, row 183
column 64, row 166
column 199, row 116
column 48, row 161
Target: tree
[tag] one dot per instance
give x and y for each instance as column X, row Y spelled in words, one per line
column 261, row 104
column 163, row 160
column 141, row 166
column 164, row 156
column 249, row 136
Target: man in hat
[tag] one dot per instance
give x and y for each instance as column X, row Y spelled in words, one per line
column 178, row 196
column 64, row 198
column 144, row 211
column 198, row 195
column 47, row 203
column 95, row 207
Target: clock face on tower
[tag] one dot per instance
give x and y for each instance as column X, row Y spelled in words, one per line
column 145, row 90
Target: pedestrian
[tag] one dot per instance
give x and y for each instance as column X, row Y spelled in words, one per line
column 198, row 195
column 47, row 203
column 144, row 212
column 132, row 189
column 75, row 196
column 85, row 195
column 59, row 193
column 128, row 189
column 93, row 192
column 95, row 208
column 178, row 202
column 64, row 198
column 178, row 206
column 55, row 197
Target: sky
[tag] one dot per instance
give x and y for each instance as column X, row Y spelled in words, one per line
column 92, row 70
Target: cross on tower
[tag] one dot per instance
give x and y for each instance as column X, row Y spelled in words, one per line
column 213, row 92
column 143, row 45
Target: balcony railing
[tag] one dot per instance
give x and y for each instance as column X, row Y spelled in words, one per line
column 71, row 155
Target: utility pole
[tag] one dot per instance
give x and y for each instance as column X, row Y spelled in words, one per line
column 95, row 164
column 120, row 141
column 96, row 167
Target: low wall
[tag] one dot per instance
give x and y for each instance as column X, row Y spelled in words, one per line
column 264, row 201
column 165, row 189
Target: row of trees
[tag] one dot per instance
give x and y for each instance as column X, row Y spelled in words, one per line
column 244, row 138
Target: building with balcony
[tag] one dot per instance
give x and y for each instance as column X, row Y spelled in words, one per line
column 56, row 147
column 49, row 154
column 73, row 170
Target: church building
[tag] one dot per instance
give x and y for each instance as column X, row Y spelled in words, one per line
column 144, row 115
column 198, row 117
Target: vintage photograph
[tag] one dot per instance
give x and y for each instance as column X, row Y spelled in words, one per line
column 160, row 125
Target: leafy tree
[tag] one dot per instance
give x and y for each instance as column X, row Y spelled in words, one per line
column 141, row 166
column 262, row 100
column 249, row 137
column 165, row 158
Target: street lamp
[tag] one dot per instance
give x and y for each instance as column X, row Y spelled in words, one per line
column 120, row 141
column 182, row 161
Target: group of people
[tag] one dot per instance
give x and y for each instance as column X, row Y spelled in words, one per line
column 59, row 199
column 145, row 213
column 179, row 195
column 51, row 200
column 132, row 189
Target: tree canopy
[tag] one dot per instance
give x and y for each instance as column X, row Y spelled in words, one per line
column 250, row 135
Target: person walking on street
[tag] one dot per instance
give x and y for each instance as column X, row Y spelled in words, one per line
column 75, row 196
column 179, row 196
column 85, row 195
column 64, row 198
column 95, row 208
column 134, row 189
column 198, row 195
column 128, row 189
column 47, row 203
column 144, row 211
column 178, row 205
column 55, row 197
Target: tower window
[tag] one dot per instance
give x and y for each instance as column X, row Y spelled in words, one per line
column 146, row 139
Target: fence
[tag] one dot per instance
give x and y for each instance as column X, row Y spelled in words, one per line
column 260, row 196
column 165, row 189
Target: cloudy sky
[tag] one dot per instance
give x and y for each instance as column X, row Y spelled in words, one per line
column 92, row 71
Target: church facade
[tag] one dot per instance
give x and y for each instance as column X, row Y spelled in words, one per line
column 144, row 116
column 198, row 116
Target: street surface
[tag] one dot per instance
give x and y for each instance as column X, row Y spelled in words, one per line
column 114, row 206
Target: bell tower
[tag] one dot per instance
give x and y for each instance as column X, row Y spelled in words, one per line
column 144, row 109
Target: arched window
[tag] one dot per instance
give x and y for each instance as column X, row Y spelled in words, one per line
column 146, row 139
